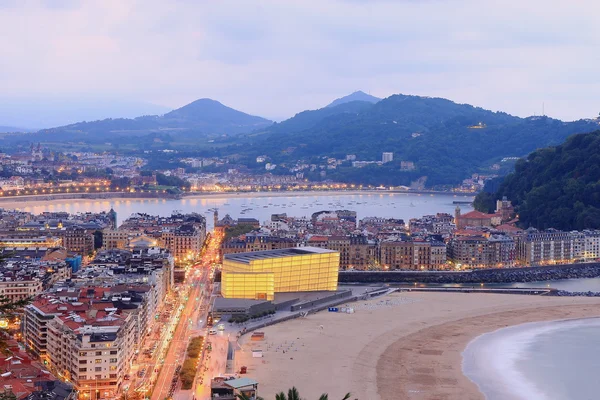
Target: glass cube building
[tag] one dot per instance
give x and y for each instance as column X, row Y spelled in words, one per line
column 260, row 274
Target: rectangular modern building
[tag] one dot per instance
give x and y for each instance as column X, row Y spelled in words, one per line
column 387, row 157
column 259, row 275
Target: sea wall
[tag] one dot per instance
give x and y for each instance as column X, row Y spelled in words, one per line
column 495, row 275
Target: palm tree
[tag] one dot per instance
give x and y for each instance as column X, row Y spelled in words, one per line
column 294, row 395
column 325, row 396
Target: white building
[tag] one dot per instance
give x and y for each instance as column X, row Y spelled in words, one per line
column 387, row 157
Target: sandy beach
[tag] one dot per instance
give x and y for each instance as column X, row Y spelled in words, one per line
column 402, row 346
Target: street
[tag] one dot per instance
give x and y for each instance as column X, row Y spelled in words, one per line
column 194, row 295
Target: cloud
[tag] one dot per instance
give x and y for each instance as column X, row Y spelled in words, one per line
column 276, row 58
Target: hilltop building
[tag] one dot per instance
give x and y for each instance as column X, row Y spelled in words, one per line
column 475, row 219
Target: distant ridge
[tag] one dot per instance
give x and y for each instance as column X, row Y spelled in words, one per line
column 438, row 140
column 200, row 118
column 356, row 96
column 11, row 129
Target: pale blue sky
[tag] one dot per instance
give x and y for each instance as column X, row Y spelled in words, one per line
column 275, row 58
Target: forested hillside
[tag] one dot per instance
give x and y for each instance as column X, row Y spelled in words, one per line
column 445, row 140
column 555, row 187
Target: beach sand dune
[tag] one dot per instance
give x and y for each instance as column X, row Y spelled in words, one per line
column 403, row 346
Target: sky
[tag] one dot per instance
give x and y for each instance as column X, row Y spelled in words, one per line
column 275, row 58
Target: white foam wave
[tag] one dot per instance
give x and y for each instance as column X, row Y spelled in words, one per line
column 491, row 360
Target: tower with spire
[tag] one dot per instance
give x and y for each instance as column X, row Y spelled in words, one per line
column 112, row 218
column 36, row 152
column 456, row 215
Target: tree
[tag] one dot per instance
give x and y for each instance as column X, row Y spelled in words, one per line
column 293, row 394
column 8, row 395
column 242, row 396
column 8, row 309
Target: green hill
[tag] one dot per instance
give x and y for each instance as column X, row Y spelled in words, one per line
column 446, row 141
column 555, row 187
column 200, row 118
column 356, row 96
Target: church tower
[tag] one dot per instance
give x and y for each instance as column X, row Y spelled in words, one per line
column 456, row 215
column 112, row 218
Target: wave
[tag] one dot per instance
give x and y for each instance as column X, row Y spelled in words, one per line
column 491, row 360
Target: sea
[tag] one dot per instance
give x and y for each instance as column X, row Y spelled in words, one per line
column 557, row 360
column 388, row 205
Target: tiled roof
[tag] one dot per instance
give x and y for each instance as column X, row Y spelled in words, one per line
column 476, row 215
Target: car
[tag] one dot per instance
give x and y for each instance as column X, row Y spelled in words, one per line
column 212, row 332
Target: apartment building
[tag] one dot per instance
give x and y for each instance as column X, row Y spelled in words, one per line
column 545, row 247
column 256, row 242
column 118, row 238
column 482, row 251
column 184, row 242
column 395, row 253
column 78, row 240
column 586, row 245
column 93, row 351
column 356, row 252
column 19, row 290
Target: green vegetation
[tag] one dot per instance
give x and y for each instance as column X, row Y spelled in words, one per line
column 7, row 395
column 293, row 394
column 189, row 368
column 200, row 118
column 244, row 318
column 556, row 187
column 164, row 180
column 237, row 230
column 436, row 134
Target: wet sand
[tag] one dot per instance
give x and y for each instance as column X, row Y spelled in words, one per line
column 403, row 346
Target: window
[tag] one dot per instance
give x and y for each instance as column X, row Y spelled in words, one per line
column 82, row 377
column 83, row 353
column 113, row 360
column 98, row 369
column 82, row 369
column 98, row 353
column 113, row 367
column 98, row 376
column 98, row 361
column 113, row 352
column 82, row 361
column 113, row 376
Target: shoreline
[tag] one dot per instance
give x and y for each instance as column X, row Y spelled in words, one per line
column 492, row 360
column 401, row 346
column 119, row 196
column 448, row 380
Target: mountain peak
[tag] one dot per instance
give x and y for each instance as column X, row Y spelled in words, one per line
column 359, row 95
column 206, row 109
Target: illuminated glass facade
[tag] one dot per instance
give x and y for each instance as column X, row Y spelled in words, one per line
column 261, row 274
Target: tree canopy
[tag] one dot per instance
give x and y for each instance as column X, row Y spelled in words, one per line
column 555, row 187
